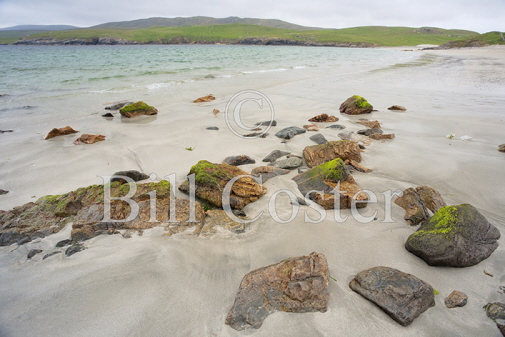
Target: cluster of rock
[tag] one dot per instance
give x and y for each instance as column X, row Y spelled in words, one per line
column 77, row 42
column 83, row 139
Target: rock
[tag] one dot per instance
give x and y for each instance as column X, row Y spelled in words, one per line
column 298, row 284
column 137, row 109
column 417, row 201
column 132, row 174
column 501, row 148
column 319, row 139
column 456, row 299
column 370, row 124
column 400, row 295
column 362, row 147
column 215, row 112
column 356, row 105
column 324, row 178
column 33, row 252
column 456, row 236
column 345, row 149
column 108, row 115
column 50, row 254
column 60, row 132
column 218, row 218
column 267, row 123
column 496, row 311
column 2, row 192
column 369, row 132
column 432, row 199
column 290, row 132
column 289, row 163
column 208, row 98
column 336, row 126
column 75, row 248
column 89, row 139
column 213, row 128
column 274, row 155
column 6, row 131
column 324, row 118
column 311, row 127
column 239, row 160
column 51, row 213
column 117, row 106
column 211, row 179
column 256, row 135
column 300, row 201
column 357, row 166
column 268, row 172
column 63, row 243
column 378, row 136
column 210, row 76
column 397, row 107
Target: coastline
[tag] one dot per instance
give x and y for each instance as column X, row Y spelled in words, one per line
column 150, row 284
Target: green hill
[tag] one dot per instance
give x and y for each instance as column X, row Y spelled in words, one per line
column 238, row 32
column 478, row 40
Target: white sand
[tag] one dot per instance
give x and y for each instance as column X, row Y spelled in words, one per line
column 184, row 286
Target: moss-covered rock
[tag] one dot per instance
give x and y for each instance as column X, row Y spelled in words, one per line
column 356, row 105
column 137, row 109
column 456, row 236
column 211, row 180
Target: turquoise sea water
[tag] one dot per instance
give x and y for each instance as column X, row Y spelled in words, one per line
column 39, row 80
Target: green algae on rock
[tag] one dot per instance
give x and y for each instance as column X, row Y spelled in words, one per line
column 137, row 109
column 356, row 105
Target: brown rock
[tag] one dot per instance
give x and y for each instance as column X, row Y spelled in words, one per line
column 298, row 284
column 345, row 149
column 60, row 132
column 239, row 160
column 3, row 192
column 379, row 136
column 357, row 166
column 417, row 201
column 501, row 148
column 217, row 218
column 89, row 139
column 356, row 105
column 456, row 299
column 268, row 172
column 323, row 118
column 397, row 107
column 311, row 127
column 137, row 109
column 211, row 180
column 215, row 112
column 432, row 199
column 370, row 124
column 207, row 98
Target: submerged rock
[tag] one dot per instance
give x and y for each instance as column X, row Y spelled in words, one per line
column 132, row 174
column 67, row 130
column 324, row 118
column 137, row 109
column 356, row 105
column 456, row 299
column 211, row 179
column 290, row 132
column 297, row 284
column 208, row 98
column 239, row 160
column 397, row 108
column 325, row 178
column 456, row 236
column 274, row 155
column 345, row 149
column 89, row 139
column 400, row 295
column 319, row 139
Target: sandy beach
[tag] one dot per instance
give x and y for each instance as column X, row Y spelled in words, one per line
column 182, row 285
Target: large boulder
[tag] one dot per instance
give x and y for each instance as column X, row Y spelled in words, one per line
column 417, row 201
column 324, row 179
column 345, row 149
column 297, row 284
column 456, row 236
column 67, row 130
column 400, row 295
column 211, row 179
column 355, row 105
column 137, row 109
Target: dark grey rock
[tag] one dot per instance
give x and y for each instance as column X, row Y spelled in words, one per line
column 336, row 126
column 239, row 160
column 33, row 252
column 496, row 311
column 300, row 201
column 213, row 128
column 76, row 248
column 257, row 135
column 318, row 138
column 50, row 254
column 267, row 123
column 274, row 155
column 362, row 147
column 456, row 299
column 346, row 135
column 2, row 192
column 108, row 115
column 288, row 163
column 63, row 243
column 117, row 106
column 400, row 295
column 456, row 236
column 369, row 132
column 133, row 174
column 5, row 131
column 8, row 238
column 290, row 132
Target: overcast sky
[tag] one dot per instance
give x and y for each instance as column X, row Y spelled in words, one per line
column 478, row 15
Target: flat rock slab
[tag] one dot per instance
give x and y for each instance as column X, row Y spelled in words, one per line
column 297, row 284
column 456, row 236
column 274, row 155
column 400, row 295
column 290, row 132
column 318, row 139
column 288, row 163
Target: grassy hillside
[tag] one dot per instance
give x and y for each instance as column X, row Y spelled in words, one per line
column 231, row 33
column 490, row 38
